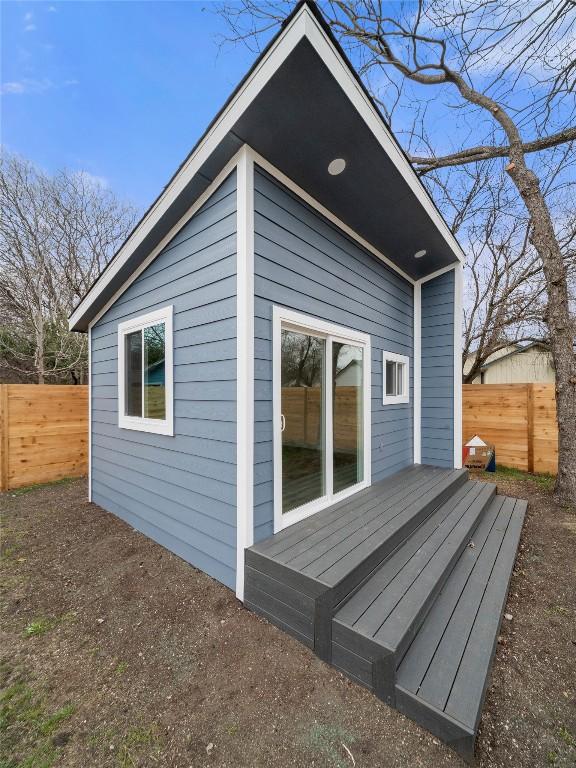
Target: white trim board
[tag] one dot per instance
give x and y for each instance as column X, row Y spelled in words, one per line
column 230, row 166
column 304, row 24
column 373, row 120
column 263, row 71
column 437, row 273
column 458, row 300
column 417, row 354
column 89, row 414
column 299, row 321
column 313, row 203
column 244, row 363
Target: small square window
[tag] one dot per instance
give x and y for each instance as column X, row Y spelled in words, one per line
column 145, row 378
column 395, row 372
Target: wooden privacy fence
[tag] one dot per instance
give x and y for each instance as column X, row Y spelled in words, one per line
column 43, row 433
column 44, row 427
column 519, row 419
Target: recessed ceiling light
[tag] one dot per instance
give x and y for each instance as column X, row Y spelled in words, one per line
column 419, row 254
column 336, row 166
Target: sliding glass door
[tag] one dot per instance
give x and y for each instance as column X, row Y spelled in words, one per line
column 323, row 380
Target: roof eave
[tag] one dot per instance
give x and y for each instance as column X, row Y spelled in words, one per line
column 305, row 21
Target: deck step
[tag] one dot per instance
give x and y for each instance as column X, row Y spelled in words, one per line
column 379, row 621
column 442, row 679
column 323, row 559
column 402, row 587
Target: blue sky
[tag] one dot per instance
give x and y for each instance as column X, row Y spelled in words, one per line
column 121, row 90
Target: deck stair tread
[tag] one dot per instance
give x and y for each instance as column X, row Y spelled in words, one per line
column 388, row 608
column 446, row 668
column 327, row 553
column 401, row 586
column 305, row 533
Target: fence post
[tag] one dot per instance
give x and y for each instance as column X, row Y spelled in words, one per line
column 4, row 437
column 530, row 425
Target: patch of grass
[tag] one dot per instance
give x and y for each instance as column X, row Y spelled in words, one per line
column 552, row 757
column 9, row 552
column 567, row 737
column 41, row 486
column 137, row 746
column 121, row 668
column 53, row 721
column 38, row 627
column 11, row 574
column 135, row 742
column 26, row 728
column 42, row 625
column 330, row 741
column 544, row 481
column 508, row 473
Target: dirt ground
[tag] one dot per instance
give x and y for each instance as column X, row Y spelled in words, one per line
column 116, row 653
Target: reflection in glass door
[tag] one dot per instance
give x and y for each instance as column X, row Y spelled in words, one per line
column 322, row 418
column 303, row 363
column 347, row 420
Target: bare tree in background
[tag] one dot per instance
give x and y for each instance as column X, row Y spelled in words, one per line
column 58, row 232
column 504, row 71
column 505, row 291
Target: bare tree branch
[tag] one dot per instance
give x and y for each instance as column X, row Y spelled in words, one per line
column 504, row 67
column 487, row 152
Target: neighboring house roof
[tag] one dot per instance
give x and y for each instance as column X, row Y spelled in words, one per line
column 155, row 373
column 348, row 367
column 517, row 351
column 300, row 106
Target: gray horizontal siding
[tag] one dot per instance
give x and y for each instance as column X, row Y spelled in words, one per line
column 438, row 371
column 303, row 262
column 180, row 490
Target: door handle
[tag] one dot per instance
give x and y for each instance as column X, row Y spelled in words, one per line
column 282, row 422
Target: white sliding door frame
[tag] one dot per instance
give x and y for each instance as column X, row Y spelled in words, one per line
column 296, row 321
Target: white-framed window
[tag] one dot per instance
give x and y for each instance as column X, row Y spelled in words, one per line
column 395, row 378
column 145, row 373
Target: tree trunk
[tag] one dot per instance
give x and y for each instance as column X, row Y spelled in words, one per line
column 559, row 321
column 473, row 373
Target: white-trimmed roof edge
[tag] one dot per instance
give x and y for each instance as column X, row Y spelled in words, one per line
column 303, row 24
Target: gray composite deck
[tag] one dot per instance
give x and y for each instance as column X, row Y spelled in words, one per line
column 299, row 575
column 402, row 587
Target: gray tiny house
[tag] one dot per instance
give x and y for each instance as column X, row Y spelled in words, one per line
column 275, row 388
